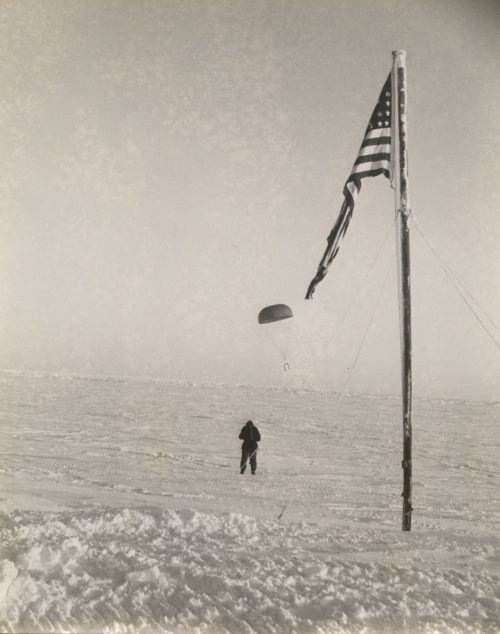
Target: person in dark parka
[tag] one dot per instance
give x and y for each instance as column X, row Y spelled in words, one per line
column 250, row 436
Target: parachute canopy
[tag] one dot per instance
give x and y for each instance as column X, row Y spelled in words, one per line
column 276, row 312
column 272, row 318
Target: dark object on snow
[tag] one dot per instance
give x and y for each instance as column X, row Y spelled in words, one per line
column 250, row 436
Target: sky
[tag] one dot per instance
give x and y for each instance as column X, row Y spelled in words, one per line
column 169, row 168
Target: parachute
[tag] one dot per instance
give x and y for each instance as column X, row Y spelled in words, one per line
column 279, row 334
column 277, row 312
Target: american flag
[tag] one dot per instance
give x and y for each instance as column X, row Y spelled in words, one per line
column 374, row 158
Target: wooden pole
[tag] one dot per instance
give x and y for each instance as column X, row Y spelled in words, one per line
column 403, row 216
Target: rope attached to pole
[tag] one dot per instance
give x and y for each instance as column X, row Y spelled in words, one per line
column 361, row 284
column 365, row 334
column 462, row 290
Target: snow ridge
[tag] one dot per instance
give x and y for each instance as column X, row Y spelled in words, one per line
column 138, row 570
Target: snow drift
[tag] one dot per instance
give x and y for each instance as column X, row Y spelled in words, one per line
column 123, row 511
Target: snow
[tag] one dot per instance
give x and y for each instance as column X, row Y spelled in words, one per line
column 122, row 510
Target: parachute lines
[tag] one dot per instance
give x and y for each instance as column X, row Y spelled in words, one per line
column 279, row 334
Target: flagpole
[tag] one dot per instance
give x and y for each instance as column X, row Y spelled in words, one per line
column 403, row 221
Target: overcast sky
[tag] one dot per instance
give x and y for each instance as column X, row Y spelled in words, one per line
column 170, row 167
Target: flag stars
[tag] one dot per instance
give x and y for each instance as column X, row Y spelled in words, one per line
column 381, row 115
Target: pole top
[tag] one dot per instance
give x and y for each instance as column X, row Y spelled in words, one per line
column 399, row 53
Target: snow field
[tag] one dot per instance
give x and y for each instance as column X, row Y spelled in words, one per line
column 122, row 510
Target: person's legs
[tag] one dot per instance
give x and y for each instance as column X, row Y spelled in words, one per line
column 244, row 458
column 253, row 462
